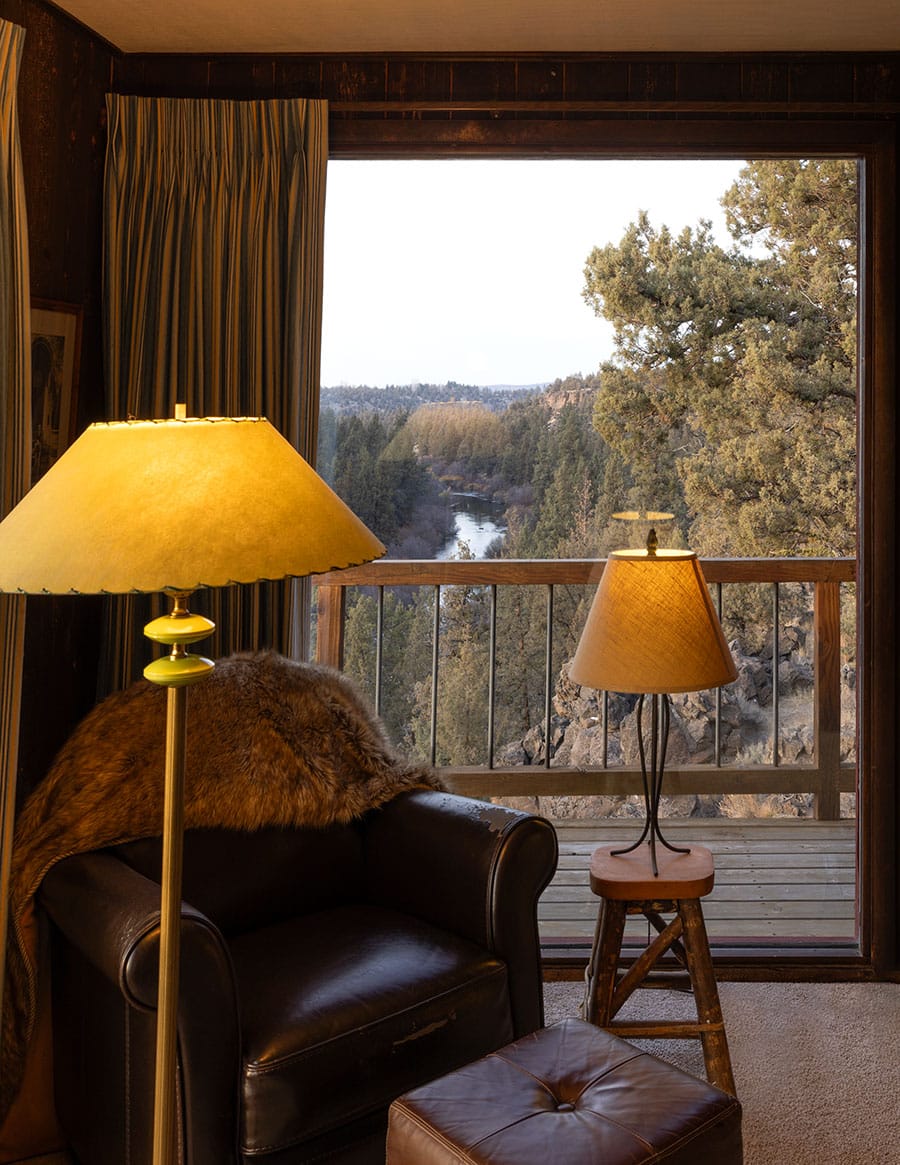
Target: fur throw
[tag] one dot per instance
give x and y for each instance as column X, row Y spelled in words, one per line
column 270, row 742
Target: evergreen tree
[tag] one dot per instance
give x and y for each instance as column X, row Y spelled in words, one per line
column 327, row 444
column 521, row 639
column 731, row 394
column 463, row 641
column 377, row 473
column 406, row 658
column 523, row 424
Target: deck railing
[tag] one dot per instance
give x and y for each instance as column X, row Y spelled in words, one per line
column 825, row 778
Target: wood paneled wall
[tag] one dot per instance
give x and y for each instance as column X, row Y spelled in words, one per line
column 65, row 75
column 652, row 81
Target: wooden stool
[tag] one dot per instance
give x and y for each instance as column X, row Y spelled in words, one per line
column 626, row 885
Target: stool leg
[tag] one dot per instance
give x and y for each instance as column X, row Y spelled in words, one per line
column 589, row 969
column 706, row 994
column 604, row 962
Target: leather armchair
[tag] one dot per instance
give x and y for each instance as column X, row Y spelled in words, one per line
column 324, row 973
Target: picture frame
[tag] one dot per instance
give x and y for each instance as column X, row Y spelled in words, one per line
column 55, row 356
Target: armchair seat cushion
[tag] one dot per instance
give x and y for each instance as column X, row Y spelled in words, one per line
column 358, row 1001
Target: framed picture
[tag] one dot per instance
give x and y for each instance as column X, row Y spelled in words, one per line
column 55, row 352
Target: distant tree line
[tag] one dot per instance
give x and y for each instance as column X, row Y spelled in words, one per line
column 359, row 398
column 369, row 465
column 540, row 457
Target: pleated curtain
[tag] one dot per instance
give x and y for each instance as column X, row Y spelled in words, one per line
column 213, row 231
column 15, row 418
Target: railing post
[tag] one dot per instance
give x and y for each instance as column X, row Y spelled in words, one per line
column 330, row 609
column 827, row 617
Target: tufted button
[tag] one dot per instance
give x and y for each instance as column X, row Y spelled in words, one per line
column 565, row 1106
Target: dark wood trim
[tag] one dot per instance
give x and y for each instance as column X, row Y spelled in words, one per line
column 738, row 83
column 877, row 598
column 601, row 138
column 874, row 142
column 559, row 108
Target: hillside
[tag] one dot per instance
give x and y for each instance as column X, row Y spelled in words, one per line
column 360, row 398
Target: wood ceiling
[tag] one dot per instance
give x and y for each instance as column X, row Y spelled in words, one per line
column 491, row 26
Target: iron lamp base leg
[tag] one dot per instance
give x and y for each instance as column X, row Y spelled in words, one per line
column 652, row 777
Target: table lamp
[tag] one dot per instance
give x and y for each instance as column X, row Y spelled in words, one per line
column 173, row 505
column 652, row 630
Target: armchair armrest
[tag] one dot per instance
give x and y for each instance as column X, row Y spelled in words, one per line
column 474, row 869
column 105, row 910
column 110, row 914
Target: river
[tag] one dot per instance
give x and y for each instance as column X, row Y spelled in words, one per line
column 478, row 523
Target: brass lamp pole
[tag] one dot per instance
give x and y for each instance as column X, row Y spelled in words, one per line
column 176, row 672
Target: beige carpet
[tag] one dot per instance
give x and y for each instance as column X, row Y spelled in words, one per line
column 817, row 1066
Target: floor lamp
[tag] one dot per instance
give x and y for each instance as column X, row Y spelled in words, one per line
column 652, row 630
column 174, row 505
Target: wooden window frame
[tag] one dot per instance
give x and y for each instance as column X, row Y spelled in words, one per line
column 384, row 132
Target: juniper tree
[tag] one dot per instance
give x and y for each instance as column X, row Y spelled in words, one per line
column 731, row 392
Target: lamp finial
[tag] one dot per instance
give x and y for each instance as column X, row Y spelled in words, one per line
column 652, row 543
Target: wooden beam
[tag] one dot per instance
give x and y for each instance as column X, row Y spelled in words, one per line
column 538, row 781
column 573, row 571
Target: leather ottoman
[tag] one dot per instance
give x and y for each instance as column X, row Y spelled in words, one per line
column 571, row 1093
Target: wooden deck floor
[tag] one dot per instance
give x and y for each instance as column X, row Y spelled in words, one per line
column 777, row 880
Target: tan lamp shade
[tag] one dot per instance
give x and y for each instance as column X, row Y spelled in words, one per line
column 652, row 628
column 176, row 505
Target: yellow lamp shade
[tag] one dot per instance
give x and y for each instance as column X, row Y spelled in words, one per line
column 176, row 505
column 652, row 628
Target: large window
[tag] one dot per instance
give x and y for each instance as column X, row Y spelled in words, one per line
column 724, row 393
column 546, row 353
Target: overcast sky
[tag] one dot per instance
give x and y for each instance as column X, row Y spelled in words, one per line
column 472, row 270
